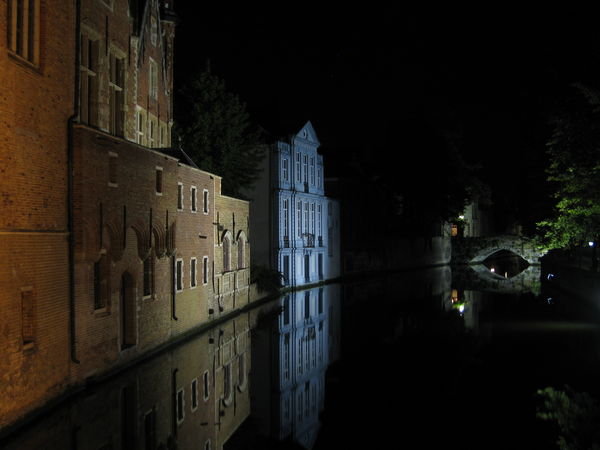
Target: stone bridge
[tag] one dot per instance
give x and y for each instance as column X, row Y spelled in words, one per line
column 479, row 278
column 474, row 250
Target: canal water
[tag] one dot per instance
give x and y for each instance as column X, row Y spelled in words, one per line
column 418, row 359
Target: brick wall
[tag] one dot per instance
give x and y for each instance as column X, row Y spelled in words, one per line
column 35, row 104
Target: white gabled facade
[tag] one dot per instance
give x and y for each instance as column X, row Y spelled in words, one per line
column 301, row 241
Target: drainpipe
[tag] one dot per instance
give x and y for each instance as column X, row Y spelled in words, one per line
column 70, row 182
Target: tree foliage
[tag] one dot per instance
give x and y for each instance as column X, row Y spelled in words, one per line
column 216, row 131
column 577, row 415
column 574, row 171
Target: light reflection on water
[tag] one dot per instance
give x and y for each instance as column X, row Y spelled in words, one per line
column 418, row 358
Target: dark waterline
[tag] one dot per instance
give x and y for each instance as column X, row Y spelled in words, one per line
column 412, row 360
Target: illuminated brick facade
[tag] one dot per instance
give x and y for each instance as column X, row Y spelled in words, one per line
column 36, row 101
column 111, row 241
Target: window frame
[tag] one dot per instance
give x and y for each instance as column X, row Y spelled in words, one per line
column 19, row 42
column 193, row 272
column 179, row 275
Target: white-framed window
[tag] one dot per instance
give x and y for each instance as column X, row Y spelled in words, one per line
column 205, row 385
column 312, row 218
column 205, row 200
column 286, row 357
column 286, row 218
column 162, row 134
column 320, row 177
column 141, row 127
column 116, row 99
column 88, row 91
column 112, row 169
column 305, row 168
column 306, row 218
column 180, row 196
column 205, row 270
column 193, row 269
column 193, row 205
column 207, row 445
column 298, row 168
column 153, row 79
column 312, row 170
column 285, row 169
column 151, row 132
column 159, row 180
column 319, row 220
column 194, row 394
column 179, row 275
column 23, row 21
column 180, row 406
column 242, row 376
column 299, row 218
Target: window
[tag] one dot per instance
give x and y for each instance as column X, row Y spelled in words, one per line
column 180, row 406
column 299, row 219
column 27, row 318
column 88, row 95
column 242, row 372
column 226, row 254
column 153, row 81
column 194, row 394
column 151, row 133
column 298, row 168
column 180, row 196
column 306, row 221
column 312, row 218
column 179, row 275
column 286, row 356
column 148, row 276
column 319, row 178
column 206, row 386
column 241, row 253
column 205, row 201
column 320, row 300
column 193, row 272
column 193, row 195
column 227, row 381
column 163, row 135
column 24, row 29
column 159, row 184
column 286, row 310
column 141, row 127
column 319, row 224
column 207, row 445
column 305, row 168
column 306, row 305
column 312, row 170
column 153, row 30
column 101, row 273
column 205, row 270
column 285, row 209
column 116, row 86
column 284, row 169
column 112, row 169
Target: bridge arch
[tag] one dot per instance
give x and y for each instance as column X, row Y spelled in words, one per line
column 474, row 250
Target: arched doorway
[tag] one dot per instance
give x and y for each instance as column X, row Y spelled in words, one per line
column 128, row 311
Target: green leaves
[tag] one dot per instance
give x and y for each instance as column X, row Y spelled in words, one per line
column 217, row 132
column 574, row 170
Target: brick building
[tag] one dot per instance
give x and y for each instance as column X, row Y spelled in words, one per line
column 36, row 101
column 113, row 243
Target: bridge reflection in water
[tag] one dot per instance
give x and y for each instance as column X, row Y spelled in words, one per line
column 417, row 358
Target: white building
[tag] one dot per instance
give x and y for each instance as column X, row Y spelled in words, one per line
column 294, row 226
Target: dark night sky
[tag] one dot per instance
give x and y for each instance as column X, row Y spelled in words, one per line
column 369, row 78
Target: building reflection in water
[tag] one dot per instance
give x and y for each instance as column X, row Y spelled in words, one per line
column 193, row 396
column 300, row 343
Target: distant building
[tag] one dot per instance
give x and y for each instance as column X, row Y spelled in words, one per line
column 294, row 226
column 474, row 221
